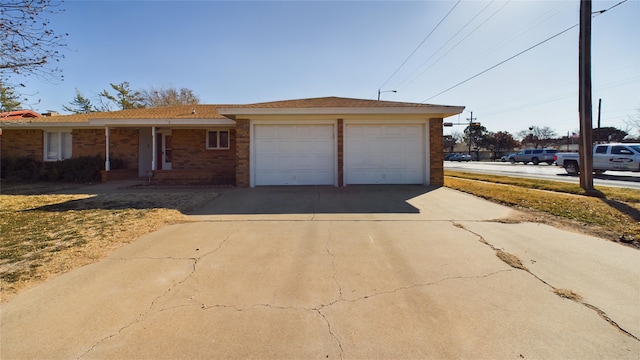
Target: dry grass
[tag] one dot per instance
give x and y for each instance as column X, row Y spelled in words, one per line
column 609, row 215
column 510, row 259
column 46, row 235
column 567, row 294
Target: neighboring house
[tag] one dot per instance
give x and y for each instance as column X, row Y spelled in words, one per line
column 18, row 115
column 320, row 141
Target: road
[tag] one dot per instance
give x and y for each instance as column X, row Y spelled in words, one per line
column 546, row 172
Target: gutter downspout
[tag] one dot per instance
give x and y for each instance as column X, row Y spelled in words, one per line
column 107, row 162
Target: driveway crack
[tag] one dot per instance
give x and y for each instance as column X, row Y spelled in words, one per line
column 333, row 261
column 144, row 314
column 332, row 334
column 554, row 289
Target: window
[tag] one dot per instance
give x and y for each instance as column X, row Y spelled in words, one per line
column 620, row 150
column 57, row 145
column 539, row 151
column 217, row 139
column 601, row 149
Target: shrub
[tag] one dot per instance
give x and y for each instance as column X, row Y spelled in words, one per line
column 81, row 169
column 24, row 169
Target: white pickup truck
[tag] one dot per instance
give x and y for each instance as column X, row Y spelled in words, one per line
column 615, row 157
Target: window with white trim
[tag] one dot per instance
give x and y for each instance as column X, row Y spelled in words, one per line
column 57, row 145
column 217, row 139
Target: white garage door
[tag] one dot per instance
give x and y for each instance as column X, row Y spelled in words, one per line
column 378, row 154
column 294, row 154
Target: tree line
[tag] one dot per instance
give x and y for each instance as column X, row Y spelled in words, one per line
column 479, row 138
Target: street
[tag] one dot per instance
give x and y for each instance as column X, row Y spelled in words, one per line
column 545, row 172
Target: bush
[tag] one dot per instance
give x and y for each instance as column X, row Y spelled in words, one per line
column 24, row 169
column 82, row 169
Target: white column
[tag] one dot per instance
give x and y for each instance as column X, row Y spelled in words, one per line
column 107, row 162
column 153, row 148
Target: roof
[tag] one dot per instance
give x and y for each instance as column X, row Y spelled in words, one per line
column 339, row 105
column 202, row 114
column 170, row 112
column 334, row 102
column 18, row 114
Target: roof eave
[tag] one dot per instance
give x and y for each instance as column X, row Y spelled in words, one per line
column 161, row 122
column 446, row 111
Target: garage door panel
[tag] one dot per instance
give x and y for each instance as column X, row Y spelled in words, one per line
column 294, row 154
column 385, row 154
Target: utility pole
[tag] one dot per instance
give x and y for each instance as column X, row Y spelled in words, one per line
column 584, row 94
column 470, row 122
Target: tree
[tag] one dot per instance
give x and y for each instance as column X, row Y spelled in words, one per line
column 537, row 136
column 8, row 99
column 475, row 136
column 158, row 97
column 608, row 134
column 125, row 98
column 80, row 105
column 634, row 123
column 28, row 46
column 500, row 142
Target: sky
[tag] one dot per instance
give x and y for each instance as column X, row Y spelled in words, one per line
column 240, row 52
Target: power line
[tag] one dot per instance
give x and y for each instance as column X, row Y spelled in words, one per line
column 419, row 45
column 443, row 45
column 596, row 13
column 452, row 48
column 502, row 62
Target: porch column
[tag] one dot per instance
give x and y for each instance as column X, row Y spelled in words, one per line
column 153, row 148
column 107, row 162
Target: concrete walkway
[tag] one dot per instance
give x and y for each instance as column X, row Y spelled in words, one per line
column 354, row 273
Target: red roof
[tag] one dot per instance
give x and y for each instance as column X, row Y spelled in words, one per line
column 18, row 114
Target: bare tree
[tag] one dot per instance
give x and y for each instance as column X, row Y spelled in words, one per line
column 28, row 46
column 158, row 97
column 538, row 136
column 633, row 123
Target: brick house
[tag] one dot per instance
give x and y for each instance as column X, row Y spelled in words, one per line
column 320, row 141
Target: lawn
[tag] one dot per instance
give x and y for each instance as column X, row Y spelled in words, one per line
column 46, row 235
column 611, row 213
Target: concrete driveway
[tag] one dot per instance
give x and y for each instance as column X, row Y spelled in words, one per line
column 353, row 273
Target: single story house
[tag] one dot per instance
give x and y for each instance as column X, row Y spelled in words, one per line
column 319, row 141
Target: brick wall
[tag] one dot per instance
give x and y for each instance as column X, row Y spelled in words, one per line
column 243, row 133
column 340, row 152
column 190, row 154
column 22, row 143
column 88, row 142
column 436, row 153
column 123, row 144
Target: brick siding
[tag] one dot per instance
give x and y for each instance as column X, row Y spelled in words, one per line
column 123, row 144
column 436, row 153
column 191, row 159
column 340, row 152
column 243, row 133
column 22, row 143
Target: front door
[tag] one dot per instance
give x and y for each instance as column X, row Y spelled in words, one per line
column 163, row 150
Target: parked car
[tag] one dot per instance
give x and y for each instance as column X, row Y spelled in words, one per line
column 534, row 156
column 506, row 158
column 448, row 156
column 460, row 157
column 618, row 157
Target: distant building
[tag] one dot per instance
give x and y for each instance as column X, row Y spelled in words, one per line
column 18, row 115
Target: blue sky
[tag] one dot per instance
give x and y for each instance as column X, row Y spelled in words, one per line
column 255, row 51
